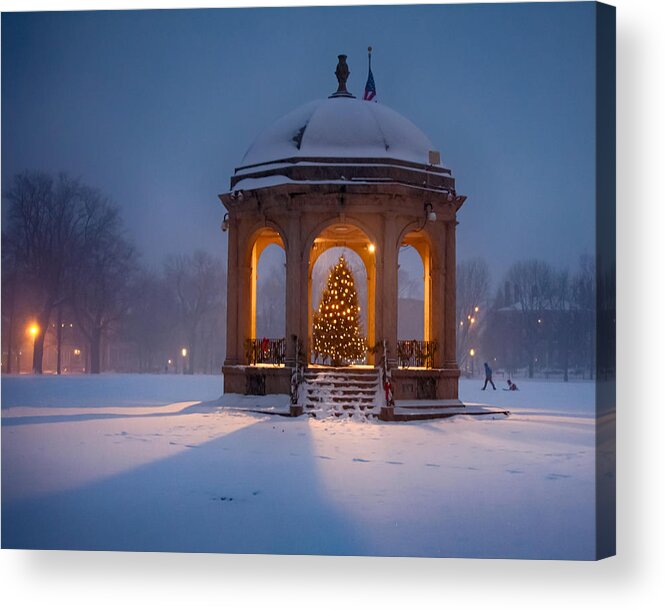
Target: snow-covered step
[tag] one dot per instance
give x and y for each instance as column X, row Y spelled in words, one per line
column 422, row 412
column 341, row 391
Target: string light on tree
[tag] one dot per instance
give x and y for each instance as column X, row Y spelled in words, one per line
column 336, row 328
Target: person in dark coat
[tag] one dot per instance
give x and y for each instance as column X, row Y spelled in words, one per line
column 488, row 376
column 511, row 386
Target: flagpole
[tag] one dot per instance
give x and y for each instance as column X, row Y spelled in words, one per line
column 369, row 55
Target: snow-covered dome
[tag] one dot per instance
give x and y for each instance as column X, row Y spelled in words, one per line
column 341, row 127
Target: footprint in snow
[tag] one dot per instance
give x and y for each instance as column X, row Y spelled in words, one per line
column 324, row 457
column 433, row 465
column 360, row 460
column 554, row 476
column 508, row 470
column 397, row 463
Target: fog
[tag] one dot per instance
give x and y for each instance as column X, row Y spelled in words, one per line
column 156, row 109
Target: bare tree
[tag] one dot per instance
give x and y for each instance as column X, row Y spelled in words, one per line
column 102, row 270
column 197, row 282
column 473, row 285
column 151, row 319
column 583, row 297
column 10, row 294
column 44, row 218
column 534, row 282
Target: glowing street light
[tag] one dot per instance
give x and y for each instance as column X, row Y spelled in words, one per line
column 472, row 353
column 183, row 351
column 33, row 330
column 476, row 309
column 371, row 248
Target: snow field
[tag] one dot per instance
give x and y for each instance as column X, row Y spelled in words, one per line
column 153, row 474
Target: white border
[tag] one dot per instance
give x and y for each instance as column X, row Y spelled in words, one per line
column 632, row 580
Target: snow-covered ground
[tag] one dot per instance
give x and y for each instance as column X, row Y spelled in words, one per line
column 133, row 462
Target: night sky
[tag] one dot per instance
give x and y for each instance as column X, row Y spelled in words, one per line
column 156, row 108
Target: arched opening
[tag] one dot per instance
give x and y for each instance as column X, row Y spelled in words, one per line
column 415, row 348
column 360, row 253
column 266, row 344
column 271, row 293
column 411, row 295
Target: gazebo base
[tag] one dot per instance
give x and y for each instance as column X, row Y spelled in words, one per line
column 258, row 380
column 435, row 410
column 408, row 383
column 425, row 384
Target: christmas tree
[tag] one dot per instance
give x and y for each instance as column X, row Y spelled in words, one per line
column 337, row 322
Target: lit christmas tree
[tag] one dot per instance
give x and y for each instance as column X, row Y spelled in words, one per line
column 337, row 322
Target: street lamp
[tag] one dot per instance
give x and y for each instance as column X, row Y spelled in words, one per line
column 472, row 353
column 183, row 351
column 33, row 331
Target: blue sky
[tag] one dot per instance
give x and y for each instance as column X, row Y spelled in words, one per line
column 156, row 108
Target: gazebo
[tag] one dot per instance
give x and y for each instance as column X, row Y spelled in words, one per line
column 345, row 172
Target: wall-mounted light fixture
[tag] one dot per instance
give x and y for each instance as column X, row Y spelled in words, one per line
column 225, row 222
column 430, row 213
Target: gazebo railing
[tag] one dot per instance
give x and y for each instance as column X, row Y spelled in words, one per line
column 266, row 351
column 416, row 353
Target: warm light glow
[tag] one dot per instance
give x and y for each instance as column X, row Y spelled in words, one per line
column 77, row 352
column 371, row 248
column 473, row 320
column 170, row 361
column 472, row 352
column 476, row 309
column 184, row 352
column 33, row 330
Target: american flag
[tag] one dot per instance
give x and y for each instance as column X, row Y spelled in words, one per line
column 370, row 87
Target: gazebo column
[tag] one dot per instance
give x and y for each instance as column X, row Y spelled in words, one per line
column 294, row 283
column 232, row 303
column 450, row 318
column 244, row 329
column 368, row 258
column 305, row 305
column 438, row 316
column 387, row 298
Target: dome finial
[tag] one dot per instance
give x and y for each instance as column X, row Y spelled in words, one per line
column 342, row 74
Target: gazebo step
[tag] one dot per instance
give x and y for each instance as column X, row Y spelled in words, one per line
column 337, row 407
column 361, row 400
column 341, row 390
column 341, row 378
column 419, row 414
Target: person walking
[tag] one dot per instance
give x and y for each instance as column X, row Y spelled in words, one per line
column 488, row 376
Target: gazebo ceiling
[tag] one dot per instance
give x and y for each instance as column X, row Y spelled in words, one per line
column 341, row 234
